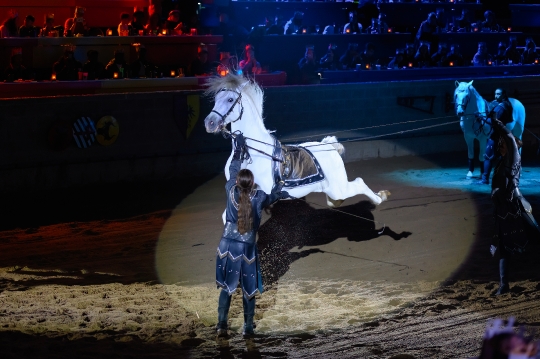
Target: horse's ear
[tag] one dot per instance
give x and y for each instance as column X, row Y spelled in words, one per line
column 457, row 83
column 470, row 83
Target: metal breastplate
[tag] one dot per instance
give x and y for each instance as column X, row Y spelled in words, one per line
column 231, row 232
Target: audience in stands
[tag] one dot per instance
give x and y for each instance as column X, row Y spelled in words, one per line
column 350, row 58
column 489, row 24
column 482, row 57
column 124, row 28
column 226, row 64
column 440, row 58
column 9, row 26
column 328, row 61
column 28, row 29
column 512, row 54
column 295, row 24
column 137, row 24
column 67, row 67
column 410, row 53
column 278, row 27
column 16, row 70
column 76, row 26
column 173, row 24
column 353, row 26
column 48, row 28
column 422, row 58
column 201, row 66
column 381, row 22
column 141, row 67
column 454, row 56
column 441, row 20
column 529, row 54
column 367, row 57
column 234, row 35
column 427, row 28
column 308, row 67
column 398, row 61
column 373, row 28
column 249, row 65
column 154, row 18
column 500, row 56
column 462, row 24
column 117, row 65
column 93, row 67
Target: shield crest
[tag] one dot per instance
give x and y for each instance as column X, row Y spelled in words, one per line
column 187, row 111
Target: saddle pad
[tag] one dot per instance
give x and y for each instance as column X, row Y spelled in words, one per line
column 298, row 167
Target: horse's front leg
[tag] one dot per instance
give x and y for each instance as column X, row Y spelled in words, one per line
column 469, row 140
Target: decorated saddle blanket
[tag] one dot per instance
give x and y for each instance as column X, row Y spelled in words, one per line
column 298, row 166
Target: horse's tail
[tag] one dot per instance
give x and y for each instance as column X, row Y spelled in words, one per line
column 332, row 140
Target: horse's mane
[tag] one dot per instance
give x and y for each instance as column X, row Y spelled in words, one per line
column 238, row 83
column 480, row 102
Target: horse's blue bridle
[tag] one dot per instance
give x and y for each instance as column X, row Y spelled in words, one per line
column 223, row 117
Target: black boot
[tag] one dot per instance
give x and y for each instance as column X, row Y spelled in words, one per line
column 223, row 313
column 485, row 174
column 504, row 286
column 249, row 313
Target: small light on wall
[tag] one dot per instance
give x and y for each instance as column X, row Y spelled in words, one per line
column 410, row 64
column 115, row 75
column 348, row 31
column 53, row 77
column 304, row 31
column 489, row 62
column 109, row 32
column 475, row 29
column 223, row 73
column 509, row 29
column 536, row 61
column 451, row 1
column 193, row 32
column 164, row 32
column 451, row 64
column 367, row 66
column 389, row 29
column 173, row 73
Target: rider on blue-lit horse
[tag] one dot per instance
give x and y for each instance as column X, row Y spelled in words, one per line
column 499, row 109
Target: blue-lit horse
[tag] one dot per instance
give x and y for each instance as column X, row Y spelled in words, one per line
column 469, row 105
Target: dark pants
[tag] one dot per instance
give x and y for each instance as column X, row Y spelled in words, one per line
column 504, row 259
column 223, row 311
column 488, row 160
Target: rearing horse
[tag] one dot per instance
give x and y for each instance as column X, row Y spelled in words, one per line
column 469, row 103
column 240, row 103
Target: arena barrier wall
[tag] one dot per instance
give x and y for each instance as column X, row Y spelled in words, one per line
column 157, row 139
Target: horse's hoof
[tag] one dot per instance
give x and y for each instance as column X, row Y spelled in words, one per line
column 469, row 174
column 384, row 194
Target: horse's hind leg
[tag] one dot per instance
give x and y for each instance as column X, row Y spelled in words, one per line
column 470, row 153
column 354, row 188
column 332, row 203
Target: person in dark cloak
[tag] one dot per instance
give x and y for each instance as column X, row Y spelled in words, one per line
column 237, row 258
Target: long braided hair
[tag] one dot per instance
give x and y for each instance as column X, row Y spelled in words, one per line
column 245, row 181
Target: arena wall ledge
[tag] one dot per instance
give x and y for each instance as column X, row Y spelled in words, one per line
column 155, row 140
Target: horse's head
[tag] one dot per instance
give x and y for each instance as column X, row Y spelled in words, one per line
column 462, row 96
column 228, row 106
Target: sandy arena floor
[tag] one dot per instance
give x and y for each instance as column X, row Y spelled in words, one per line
column 127, row 271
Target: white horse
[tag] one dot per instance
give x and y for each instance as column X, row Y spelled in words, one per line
column 240, row 102
column 469, row 102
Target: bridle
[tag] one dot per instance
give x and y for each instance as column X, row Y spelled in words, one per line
column 464, row 102
column 237, row 101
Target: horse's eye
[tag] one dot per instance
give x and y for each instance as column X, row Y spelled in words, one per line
column 230, row 99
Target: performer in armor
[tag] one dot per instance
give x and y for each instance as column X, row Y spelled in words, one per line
column 513, row 214
column 499, row 109
column 237, row 258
